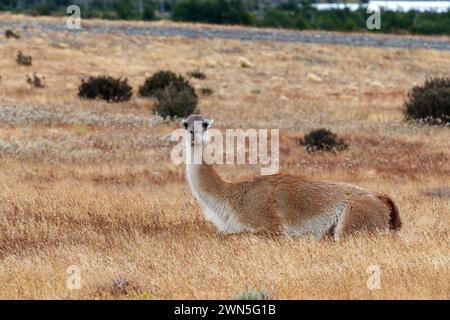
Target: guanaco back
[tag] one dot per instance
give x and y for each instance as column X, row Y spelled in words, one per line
column 282, row 203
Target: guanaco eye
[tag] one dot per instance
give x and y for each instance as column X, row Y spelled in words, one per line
column 186, row 125
column 205, row 125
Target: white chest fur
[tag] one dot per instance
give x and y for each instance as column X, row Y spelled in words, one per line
column 216, row 209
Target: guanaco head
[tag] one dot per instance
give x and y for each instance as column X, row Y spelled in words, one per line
column 196, row 127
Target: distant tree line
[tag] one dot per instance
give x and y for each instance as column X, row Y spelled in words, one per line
column 301, row 15
column 292, row 14
column 102, row 9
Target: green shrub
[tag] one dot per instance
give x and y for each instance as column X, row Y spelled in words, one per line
column 173, row 102
column 161, row 80
column 106, row 88
column 175, row 97
column 157, row 81
column 430, row 102
column 254, row 294
column 322, row 140
column 23, row 59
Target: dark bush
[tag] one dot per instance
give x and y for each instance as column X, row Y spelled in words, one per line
column 23, row 59
column 322, row 140
column 106, row 88
column 429, row 103
column 36, row 80
column 157, row 81
column 161, row 80
column 173, row 102
column 11, row 34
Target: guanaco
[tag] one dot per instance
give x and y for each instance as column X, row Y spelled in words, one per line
column 282, row 203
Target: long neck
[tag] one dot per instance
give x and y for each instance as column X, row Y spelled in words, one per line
column 203, row 179
column 211, row 191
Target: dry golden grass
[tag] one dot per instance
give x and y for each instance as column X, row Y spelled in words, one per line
column 91, row 184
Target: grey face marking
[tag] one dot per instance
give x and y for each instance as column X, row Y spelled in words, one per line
column 196, row 126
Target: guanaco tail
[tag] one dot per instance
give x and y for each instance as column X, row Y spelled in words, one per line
column 282, row 203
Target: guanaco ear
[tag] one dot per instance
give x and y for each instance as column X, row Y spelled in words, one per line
column 208, row 123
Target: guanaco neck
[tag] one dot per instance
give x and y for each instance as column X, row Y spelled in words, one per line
column 212, row 191
column 204, row 179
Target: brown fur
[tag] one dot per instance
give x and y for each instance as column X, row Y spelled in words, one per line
column 395, row 222
column 365, row 213
column 288, row 203
column 267, row 203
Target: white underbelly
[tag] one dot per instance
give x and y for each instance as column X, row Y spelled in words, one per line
column 319, row 225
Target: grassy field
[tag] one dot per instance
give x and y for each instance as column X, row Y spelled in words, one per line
column 91, row 184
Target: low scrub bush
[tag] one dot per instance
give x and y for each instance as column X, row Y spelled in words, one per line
column 23, row 59
column 253, row 294
column 106, row 88
column 173, row 102
column 160, row 80
column 430, row 102
column 175, row 97
column 322, row 140
column 36, row 80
